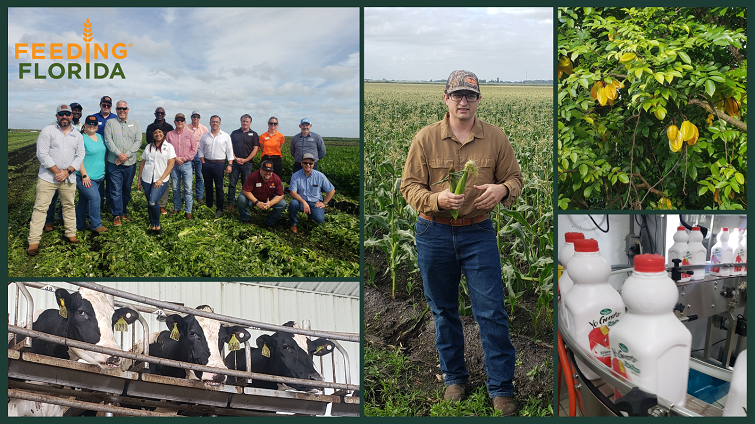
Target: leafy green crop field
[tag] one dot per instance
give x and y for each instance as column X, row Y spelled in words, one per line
column 203, row 247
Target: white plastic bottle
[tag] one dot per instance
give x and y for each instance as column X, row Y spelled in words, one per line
column 564, row 256
column 698, row 252
column 736, row 401
column 740, row 254
column 680, row 250
column 721, row 253
column 592, row 306
column 649, row 346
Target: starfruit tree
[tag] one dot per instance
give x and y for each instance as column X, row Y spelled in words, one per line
column 652, row 108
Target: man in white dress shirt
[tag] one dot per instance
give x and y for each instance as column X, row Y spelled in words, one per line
column 215, row 149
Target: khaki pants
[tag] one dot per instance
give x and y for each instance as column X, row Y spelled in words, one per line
column 45, row 191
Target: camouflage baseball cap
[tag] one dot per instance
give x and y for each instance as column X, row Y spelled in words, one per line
column 462, row 80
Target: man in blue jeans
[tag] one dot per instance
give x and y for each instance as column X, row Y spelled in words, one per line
column 307, row 186
column 446, row 247
column 123, row 138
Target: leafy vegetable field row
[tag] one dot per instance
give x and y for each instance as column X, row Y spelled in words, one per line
column 203, row 247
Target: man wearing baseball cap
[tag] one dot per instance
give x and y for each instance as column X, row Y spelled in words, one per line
column 105, row 114
column 60, row 150
column 458, row 138
column 198, row 130
column 306, row 188
column 306, row 142
column 263, row 190
column 76, row 112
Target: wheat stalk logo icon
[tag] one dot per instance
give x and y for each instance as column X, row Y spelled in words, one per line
column 88, row 31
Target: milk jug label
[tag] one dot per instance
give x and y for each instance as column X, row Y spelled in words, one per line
column 598, row 336
column 625, row 363
column 715, row 258
column 686, row 260
column 738, row 259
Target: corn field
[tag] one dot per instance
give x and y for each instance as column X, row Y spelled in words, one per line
column 394, row 113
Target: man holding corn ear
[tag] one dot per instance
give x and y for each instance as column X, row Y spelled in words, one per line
column 446, row 245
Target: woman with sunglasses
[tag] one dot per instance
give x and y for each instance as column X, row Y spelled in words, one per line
column 89, row 178
column 271, row 143
column 158, row 159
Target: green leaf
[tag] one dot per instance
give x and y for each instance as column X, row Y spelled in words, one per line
column 693, row 172
column 684, row 55
column 624, row 178
column 658, row 77
column 740, row 178
column 588, row 190
column 574, row 157
column 710, row 87
column 583, row 170
column 702, row 190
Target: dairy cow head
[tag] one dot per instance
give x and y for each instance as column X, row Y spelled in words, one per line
column 291, row 355
column 90, row 318
column 200, row 340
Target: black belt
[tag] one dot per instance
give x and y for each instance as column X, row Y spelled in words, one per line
column 214, row 161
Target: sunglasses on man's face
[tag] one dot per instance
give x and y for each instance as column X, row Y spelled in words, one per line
column 308, row 163
column 64, row 113
column 195, row 116
column 106, row 104
column 159, row 113
column 180, row 120
column 121, row 108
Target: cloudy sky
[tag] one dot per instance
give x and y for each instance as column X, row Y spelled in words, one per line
column 292, row 63
column 510, row 43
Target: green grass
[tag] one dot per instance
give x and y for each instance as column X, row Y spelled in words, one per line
column 203, row 247
column 390, row 391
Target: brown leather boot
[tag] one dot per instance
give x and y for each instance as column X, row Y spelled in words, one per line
column 505, row 405
column 455, row 392
column 33, row 250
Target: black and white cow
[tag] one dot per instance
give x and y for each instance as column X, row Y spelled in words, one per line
column 195, row 340
column 89, row 317
column 285, row 355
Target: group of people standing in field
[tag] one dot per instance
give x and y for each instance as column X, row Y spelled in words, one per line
column 98, row 157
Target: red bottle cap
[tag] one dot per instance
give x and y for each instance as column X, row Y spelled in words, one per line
column 695, row 228
column 586, row 245
column 725, row 229
column 570, row 237
column 681, row 228
column 649, row 263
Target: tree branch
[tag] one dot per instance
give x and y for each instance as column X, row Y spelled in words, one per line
column 713, row 110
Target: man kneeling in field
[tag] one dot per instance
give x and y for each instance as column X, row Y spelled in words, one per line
column 263, row 189
column 306, row 188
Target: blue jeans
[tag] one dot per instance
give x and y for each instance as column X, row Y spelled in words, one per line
column 197, row 164
column 89, row 203
column 121, row 180
column 153, row 196
column 317, row 215
column 272, row 217
column 51, row 210
column 236, row 170
column 443, row 252
column 177, row 174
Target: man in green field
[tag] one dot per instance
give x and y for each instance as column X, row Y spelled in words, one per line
column 446, row 247
column 60, row 150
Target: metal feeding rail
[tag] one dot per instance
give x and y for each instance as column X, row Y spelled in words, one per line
column 179, row 393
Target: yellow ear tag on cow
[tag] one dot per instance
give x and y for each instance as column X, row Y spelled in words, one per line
column 319, row 348
column 265, row 351
column 63, row 311
column 121, row 325
column 234, row 344
column 174, row 333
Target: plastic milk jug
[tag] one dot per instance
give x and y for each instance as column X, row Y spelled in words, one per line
column 680, row 250
column 564, row 256
column 721, row 253
column 649, row 346
column 592, row 306
column 740, row 255
column 698, row 252
column 736, row 402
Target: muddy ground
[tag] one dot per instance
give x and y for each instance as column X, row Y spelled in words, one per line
column 397, row 323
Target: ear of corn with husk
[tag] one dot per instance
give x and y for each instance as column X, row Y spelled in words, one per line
column 458, row 180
